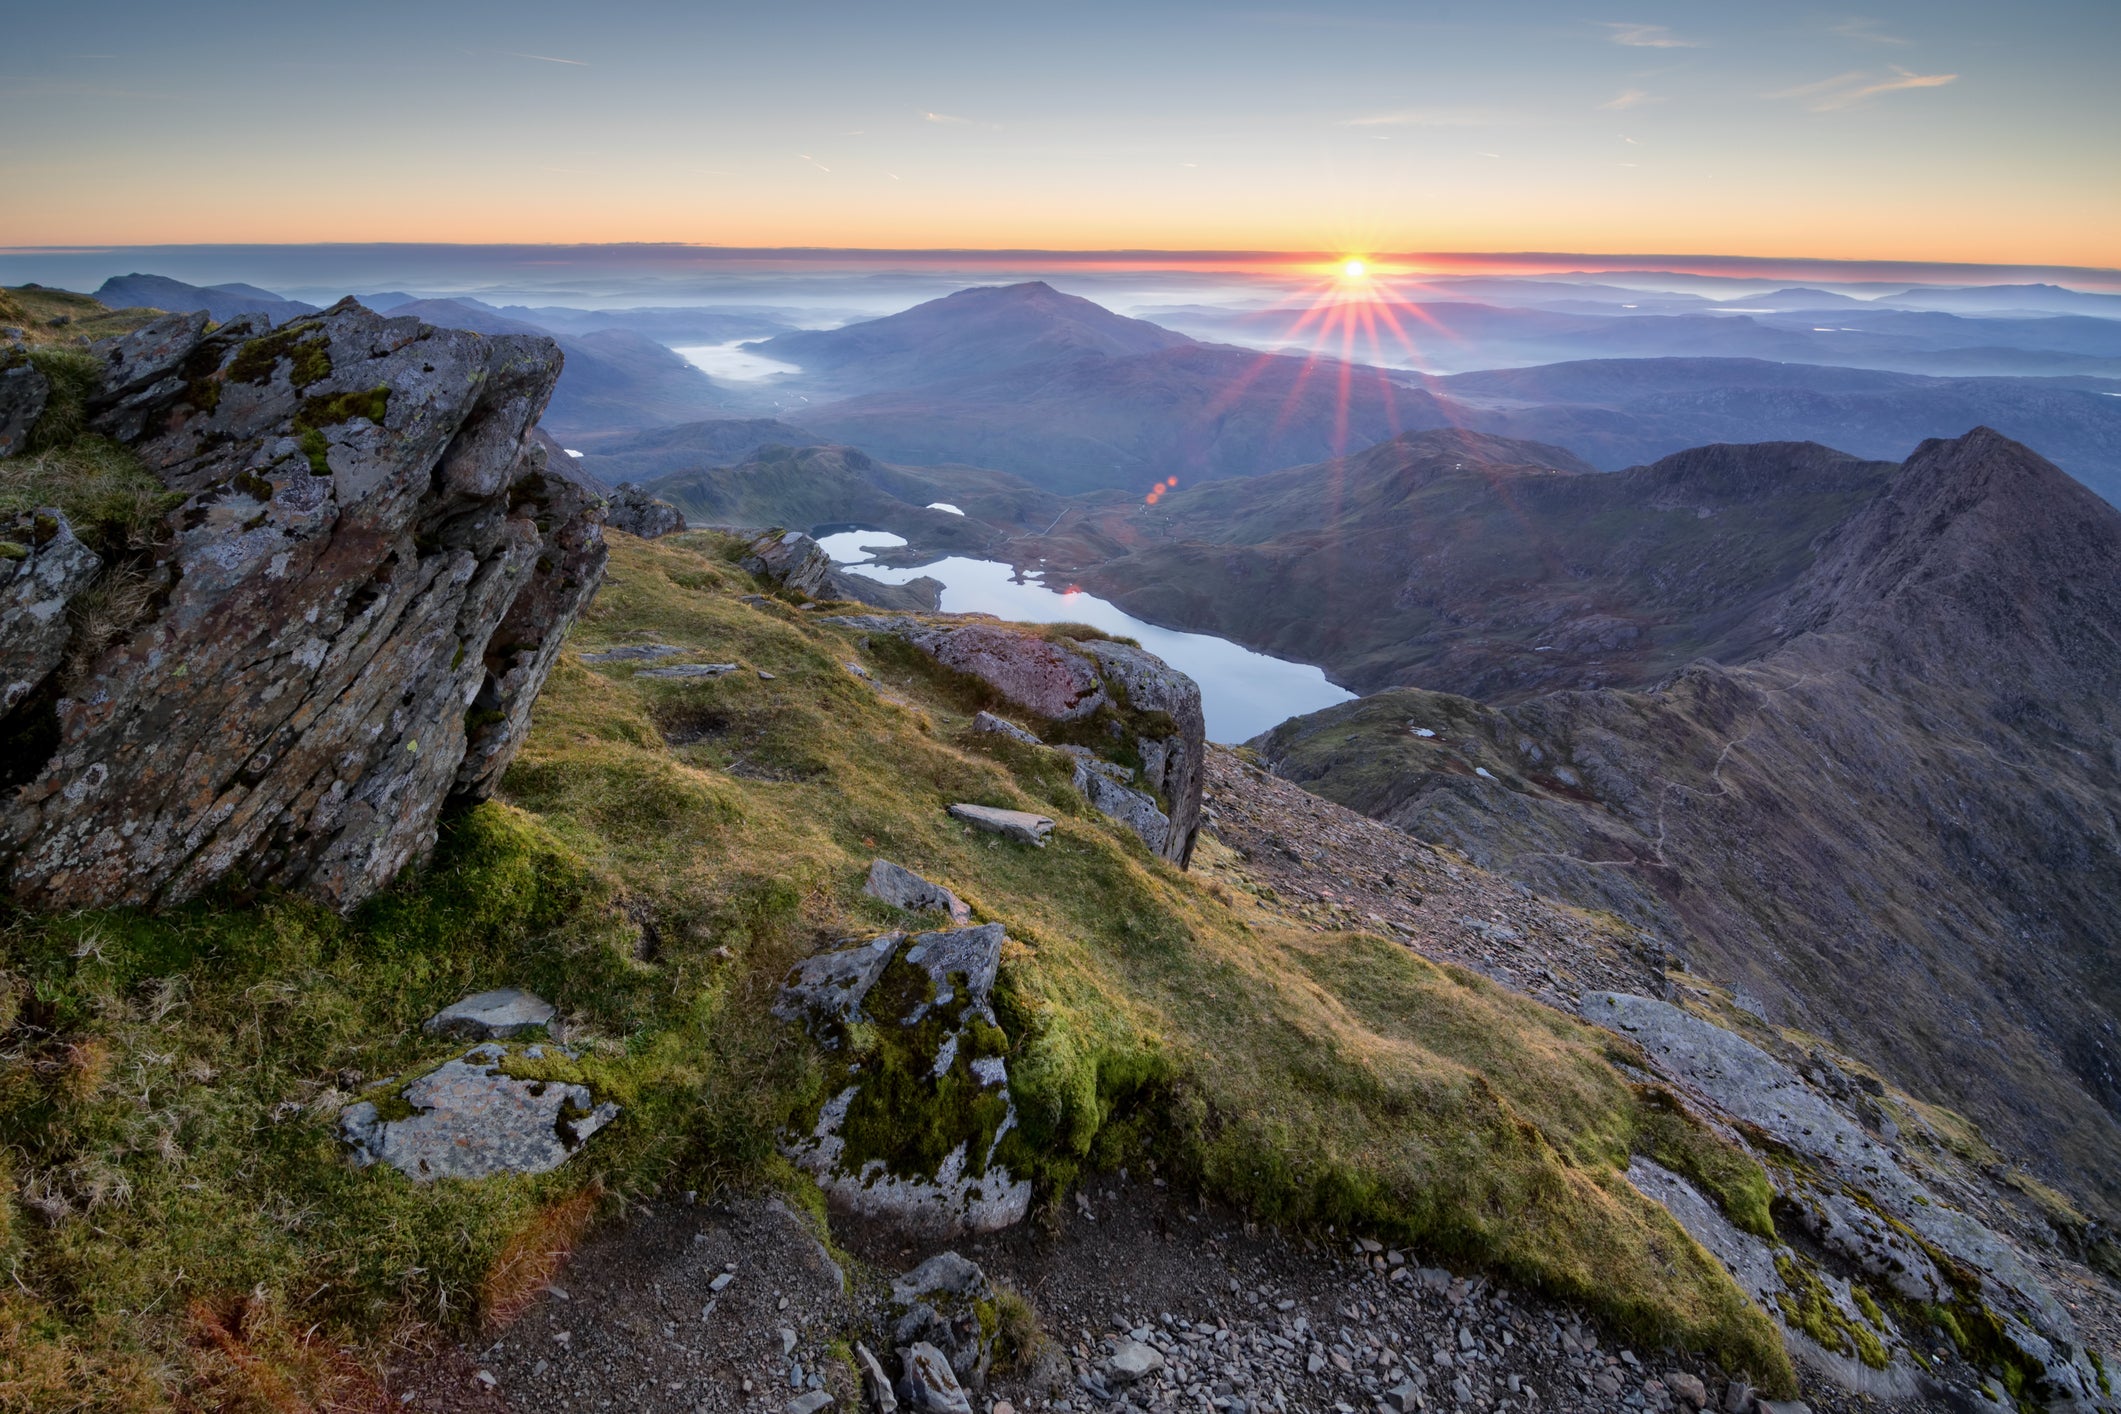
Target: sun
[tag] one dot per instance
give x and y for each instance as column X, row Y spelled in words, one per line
column 1354, row 268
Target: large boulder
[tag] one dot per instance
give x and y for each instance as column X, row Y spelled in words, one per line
column 1141, row 714
column 367, row 581
column 918, row 1088
column 632, row 509
column 790, row 559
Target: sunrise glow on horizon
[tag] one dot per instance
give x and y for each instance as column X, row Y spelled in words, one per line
column 1917, row 135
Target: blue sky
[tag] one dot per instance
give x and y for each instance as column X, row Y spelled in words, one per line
column 1934, row 131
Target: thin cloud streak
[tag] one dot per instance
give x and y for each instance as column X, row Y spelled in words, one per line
column 547, row 59
column 1628, row 98
column 1649, row 37
column 1850, row 89
column 947, row 119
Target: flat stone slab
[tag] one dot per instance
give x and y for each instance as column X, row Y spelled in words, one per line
column 472, row 1120
column 1011, row 824
column 634, row 653
column 833, row 984
column 1002, row 726
column 689, row 670
column 498, row 1015
column 902, row 888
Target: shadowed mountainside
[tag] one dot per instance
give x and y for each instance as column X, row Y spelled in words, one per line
column 1897, row 830
column 1477, row 564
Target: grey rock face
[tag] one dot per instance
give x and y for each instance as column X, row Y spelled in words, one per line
column 370, row 578
column 1019, row 825
column 491, row 1016
column 23, row 393
column 832, row 985
column 967, row 1191
column 1132, row 808
column 1000, row 726
column 634, row 511
column 471, row 1120
column 936, row 1303
column 928, row 1384
column 902, row 888
column 791, row 559
column 1744, row 1083
column 42, row 567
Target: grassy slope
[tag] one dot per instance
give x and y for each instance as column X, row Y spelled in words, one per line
column 170, row 1084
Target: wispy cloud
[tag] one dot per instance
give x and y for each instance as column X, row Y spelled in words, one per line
column 1865, row 30
column 1648, row 37
column 813, row 161
column 1431, row 118
column 547, row 59
column 1847, row 90
column 1629, row 98
column 948, row 120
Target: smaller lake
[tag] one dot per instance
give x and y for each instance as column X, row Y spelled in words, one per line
column 730, row 363
column 1242, row 693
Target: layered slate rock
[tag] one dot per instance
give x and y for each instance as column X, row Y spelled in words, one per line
column 43, row 566
column 369, row 576
column 1119, row 704
column 902, row 888
column 790, row 559
column 23, row 393
column 471, row 1119
column 919, row 1101
column 1882, row 1231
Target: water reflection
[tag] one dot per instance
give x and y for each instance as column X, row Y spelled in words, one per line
column 1243, row 693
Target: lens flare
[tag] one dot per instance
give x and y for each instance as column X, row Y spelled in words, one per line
column 1354, row 268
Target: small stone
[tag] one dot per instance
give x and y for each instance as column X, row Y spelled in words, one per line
column 1737, row 1397
column 498, row 1015
column 1020, row 825
column 1133, row 1360
column 689, row 670
column 809, row 1403
column 721, row 1282
column 634, row 653
column 485, row 1377
column 875, row 1380
column 1404, row 1397
column 929, row 1384
column 1687, row 1388
column 787, row 1341
column 1783, row 1406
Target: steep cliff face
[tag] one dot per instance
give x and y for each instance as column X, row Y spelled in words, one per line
column 366, row 574
column 1898, row 830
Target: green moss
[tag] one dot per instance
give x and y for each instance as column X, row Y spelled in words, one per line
column 1808, row 1304
column 302, row 344
column 2106, row 1385
column 113, row 503
column 1869, row 1307
column 1739, row 1184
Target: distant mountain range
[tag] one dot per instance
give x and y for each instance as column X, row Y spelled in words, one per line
column 221, row 302
column 1477, row 564
column 1892, row 822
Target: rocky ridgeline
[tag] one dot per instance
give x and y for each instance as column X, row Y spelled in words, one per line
column 368, row 571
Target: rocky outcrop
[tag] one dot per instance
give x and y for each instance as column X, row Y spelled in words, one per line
column 632, row 509
column 919, row 1098
column 367, row 580
column 1142, row 716
column 790, row 559
column 43, row 567
column 23, row 392
column 1882, row 1241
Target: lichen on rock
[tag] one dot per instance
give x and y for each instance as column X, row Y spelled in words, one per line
column 918, row 1081
column 369, row 575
